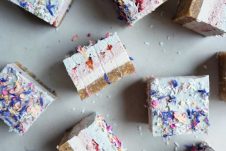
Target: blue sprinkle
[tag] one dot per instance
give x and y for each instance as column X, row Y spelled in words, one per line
column 50, row 7
column 6, row 113
column 27, row 92
column 24, row 108
column 106, row 78
column 131, row 58
column 189, row 113
column 203, row 92
column 41, row 101
column 161, row 97
column 174, row 83
column 10, row 122
column 3, row 80
column 16, row 118
column 23, row 4
column 153, row 92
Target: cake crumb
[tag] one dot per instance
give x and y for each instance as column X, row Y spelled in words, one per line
column 147, row 43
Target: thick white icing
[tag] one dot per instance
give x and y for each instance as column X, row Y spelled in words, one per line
column 187, row 96
column 104, row 61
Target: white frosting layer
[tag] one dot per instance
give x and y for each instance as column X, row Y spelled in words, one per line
column 51, row 11
column 91, row 63
column 211, row 19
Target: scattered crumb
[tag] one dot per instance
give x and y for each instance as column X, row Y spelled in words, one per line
column 83, row 111
column 178, row 52
column 140, row 129
column 161, row 43
column 93, row 101
column 108, row 96
column 147, row 43
column 73, row 108
column 74, row 37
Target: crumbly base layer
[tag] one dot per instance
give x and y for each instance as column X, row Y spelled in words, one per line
column 113, row 76
column 65, row 147
column 188, row 11
column 222, row 75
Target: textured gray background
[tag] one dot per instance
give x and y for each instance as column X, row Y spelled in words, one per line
column 42, row 48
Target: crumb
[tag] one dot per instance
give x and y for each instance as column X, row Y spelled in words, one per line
column 147, row 43
column 74, row 37
column 161, row 43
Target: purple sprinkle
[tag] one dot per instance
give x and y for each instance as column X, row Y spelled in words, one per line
column 27, row 92
column 3, row 80
column 203, row 92
column 153, row 92
column 10, row 122
column 106, row 78
column 23, row 4
column 174, row 83
column 41, row 101
column 50, row 7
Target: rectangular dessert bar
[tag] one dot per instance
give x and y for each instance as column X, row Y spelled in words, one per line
column 91, row 134
column 51, row 11
column 96, row 66
column 134, row 10
column 205, row 17
column 178, row 105
column 202, row 146
column 222, row 74
column 22, row 98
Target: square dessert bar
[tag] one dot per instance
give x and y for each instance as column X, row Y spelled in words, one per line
column 91, row 134
column 205, row 17
column 51, row 11
column 96, row 66
column 134, row 10
column 22, row 98
column 178, row 105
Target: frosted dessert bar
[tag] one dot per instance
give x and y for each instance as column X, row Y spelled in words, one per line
column 51, row 11
column 22, row 98
column 134, row 10
column 205, row 17
column 178, row 105
column 203, row 146
column 95, row 66
column 222, row 74
column 91, row 134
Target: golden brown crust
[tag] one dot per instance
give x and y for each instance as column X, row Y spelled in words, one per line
column 222, row 75
column 188, row 11
column 113, row 76
column 65, row 147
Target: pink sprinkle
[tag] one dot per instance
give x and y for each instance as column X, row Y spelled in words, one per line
column 5, row 92
column 74, row 37
column 172, row 126
column 109, row 128
column 154, row 103
column 107, row 35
